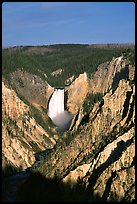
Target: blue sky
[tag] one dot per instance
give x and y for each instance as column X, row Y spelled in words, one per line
column 44, row 23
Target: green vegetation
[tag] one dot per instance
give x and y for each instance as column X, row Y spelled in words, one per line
column 130, row 55
column 73, row 59
column 90, row 100
column 70, row 136
column 34, row 112
column 9, row 123
column 34, row 146
column 38, row 117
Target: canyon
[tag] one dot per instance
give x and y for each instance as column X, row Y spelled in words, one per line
column 93, row 159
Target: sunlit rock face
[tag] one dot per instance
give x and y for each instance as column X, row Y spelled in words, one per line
column 77, row 93
column 60, row 117
column 17, row 150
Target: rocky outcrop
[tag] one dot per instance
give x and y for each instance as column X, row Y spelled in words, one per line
column 31, row 87
column 77, row 92
column 22, row 136
column 112, row 173
column 98, row 153
column 109, row 74
column 116, row 159
column 69, row 80
column 74, row 176
column 105, row 80
column 115, row 111
column 57, row 72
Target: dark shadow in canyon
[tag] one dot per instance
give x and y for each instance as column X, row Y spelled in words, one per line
column 32, row 186
column 123, row 74
column 36, row 188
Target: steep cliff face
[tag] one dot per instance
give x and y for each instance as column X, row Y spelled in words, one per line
column 31, row 87
column 104, row 79
column 97, row 154
column 77, row 92
column 109, row 74
column 22, row 136
column 111, row 175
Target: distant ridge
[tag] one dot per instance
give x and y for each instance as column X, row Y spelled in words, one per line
column 98, row 45
column 112, row 45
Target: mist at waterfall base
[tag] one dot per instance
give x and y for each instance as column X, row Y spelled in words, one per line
column 60, row 117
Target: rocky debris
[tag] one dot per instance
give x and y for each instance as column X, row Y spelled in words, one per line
column 57, row 72
column 45, row 75
column 69, row 80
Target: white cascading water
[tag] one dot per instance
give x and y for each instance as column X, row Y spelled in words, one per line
column 56, row 112
column 56, row 104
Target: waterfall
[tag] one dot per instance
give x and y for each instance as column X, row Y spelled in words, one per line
column 60, row 117
column 56, row 104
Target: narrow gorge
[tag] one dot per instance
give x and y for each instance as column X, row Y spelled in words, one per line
column 75, row 143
